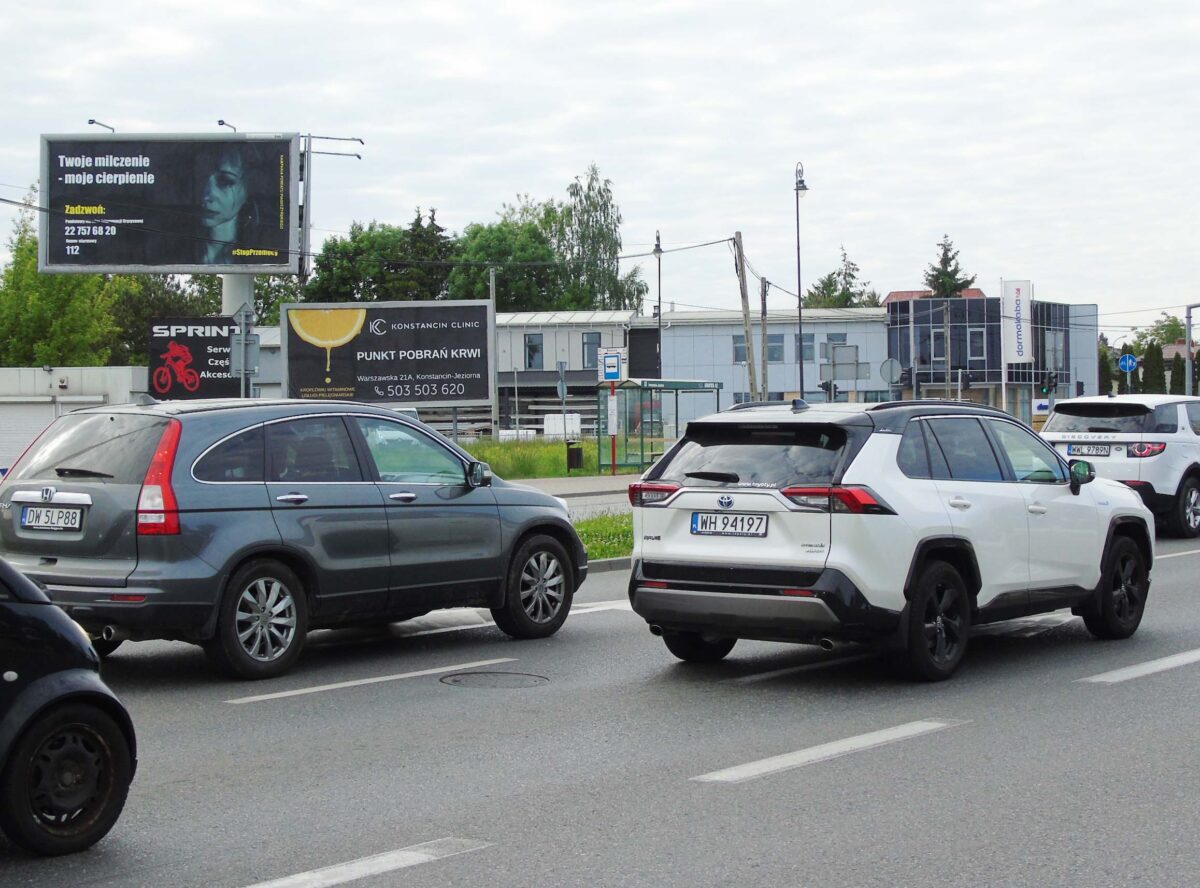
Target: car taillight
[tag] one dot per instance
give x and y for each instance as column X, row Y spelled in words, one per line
column 646, row 493
column 157, row 510
column 1146, row 448
column 857, row 500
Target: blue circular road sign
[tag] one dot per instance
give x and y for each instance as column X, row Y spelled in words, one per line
column 1128, row 363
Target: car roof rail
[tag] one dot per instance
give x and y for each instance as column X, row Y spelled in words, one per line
column 796, row 403
column 936, row 402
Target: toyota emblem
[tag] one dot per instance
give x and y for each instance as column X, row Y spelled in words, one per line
column 725, row 502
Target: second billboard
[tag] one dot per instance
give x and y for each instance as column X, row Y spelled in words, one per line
column 419, row 353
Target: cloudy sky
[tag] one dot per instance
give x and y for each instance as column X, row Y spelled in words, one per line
column 1052, row 141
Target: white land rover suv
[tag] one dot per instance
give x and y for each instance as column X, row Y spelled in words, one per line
column 900, row 524
column 1149, row 442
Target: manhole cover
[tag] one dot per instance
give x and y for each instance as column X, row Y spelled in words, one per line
column 495, row 680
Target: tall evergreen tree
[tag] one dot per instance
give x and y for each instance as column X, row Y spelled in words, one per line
column 1178, row 374
column 1104, row 369
column 1154, row 373
column 945, row 277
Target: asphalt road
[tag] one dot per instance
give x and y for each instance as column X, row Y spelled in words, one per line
column 1016, row 772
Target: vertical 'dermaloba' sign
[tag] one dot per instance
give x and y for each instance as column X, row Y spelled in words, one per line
column 1016, row 321
column 223, row 203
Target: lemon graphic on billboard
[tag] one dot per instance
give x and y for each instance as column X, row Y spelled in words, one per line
column 327, row 328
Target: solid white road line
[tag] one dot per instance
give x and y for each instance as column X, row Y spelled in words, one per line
column 813, row 754
column 591, row 607
column 374, row 866
column 1148, row 668
column 316, row 689
column 1177, row 554
column 806, row 667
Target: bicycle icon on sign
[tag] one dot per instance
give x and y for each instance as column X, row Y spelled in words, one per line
column 178, row 358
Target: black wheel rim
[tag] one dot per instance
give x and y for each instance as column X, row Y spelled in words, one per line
column 70, row 780
column 1127, row 588
column 944, row 623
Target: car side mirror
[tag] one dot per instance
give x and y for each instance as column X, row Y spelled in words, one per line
column 1082, row 472
column 479, row 474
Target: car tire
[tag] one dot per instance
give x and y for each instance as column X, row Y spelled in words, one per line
column 939, row 623
column 540, row 586
column 262, row 623
column 105, row 648
column 695, row 648
column 1116, row 611
column 75, row 741
column 1184, row 517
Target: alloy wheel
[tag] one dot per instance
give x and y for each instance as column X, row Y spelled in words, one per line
column 1191, row 508
column 944, row 624
column 1126, row 588
column 542, row 583
column 266, row 619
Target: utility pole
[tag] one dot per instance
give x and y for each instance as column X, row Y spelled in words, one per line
column 1190, row 346
column 741, row 273
column 946, row 341
column 765, row 386
column 496, row 361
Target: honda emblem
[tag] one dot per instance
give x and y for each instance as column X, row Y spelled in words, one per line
column 48, row 494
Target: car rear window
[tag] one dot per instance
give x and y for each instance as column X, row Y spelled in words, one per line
column 1130, row 419
column 755, row 455
column 115, row 448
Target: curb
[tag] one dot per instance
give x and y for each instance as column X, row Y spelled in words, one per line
column 607, row 565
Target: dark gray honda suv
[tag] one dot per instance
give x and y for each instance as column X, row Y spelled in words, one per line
column 241, row 525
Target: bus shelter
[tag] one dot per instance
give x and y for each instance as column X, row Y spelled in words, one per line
column 647, row 418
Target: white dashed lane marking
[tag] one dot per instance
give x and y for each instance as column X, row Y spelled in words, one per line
column 1148, row 668
column 337, row 686
column 826, row 751
column 376, row 865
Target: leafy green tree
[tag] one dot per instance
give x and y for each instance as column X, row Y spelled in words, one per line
column 1104, row 367
column 841, row 288
column 378, row 262
column 1154, row 374
column 140, row 299
column 527, row 272
column 1165, row 331
column 945, row 277
column 1178, row 374
column 270, row 291
column 55, row 319
column 585, row 233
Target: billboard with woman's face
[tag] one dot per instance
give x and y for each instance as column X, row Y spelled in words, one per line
column 198, row 204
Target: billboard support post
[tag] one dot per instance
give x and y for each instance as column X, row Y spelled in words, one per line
column 237, row 290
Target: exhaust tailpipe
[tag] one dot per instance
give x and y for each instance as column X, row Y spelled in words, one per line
column 114, row 633
column 826, row 644
column 655, row 630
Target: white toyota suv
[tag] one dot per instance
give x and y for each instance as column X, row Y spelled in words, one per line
column 1149, row 442
column 900, row 524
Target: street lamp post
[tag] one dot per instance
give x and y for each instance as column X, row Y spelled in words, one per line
column 658, row 259
column 801, row 190
column 230, row 125
column 94, row 122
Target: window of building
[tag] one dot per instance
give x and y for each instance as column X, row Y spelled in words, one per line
column 831, row 339
column 739, row 348
column 533, row 351
column 774, row 348
column 939, row 346
column 976, row 344
column 805, row 345
column 591, row 343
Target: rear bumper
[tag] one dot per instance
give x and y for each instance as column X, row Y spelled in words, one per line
column 166, row 614
column 1158, row 503
column 834, row 609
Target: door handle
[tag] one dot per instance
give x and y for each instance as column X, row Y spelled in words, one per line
column 293, row 498
column 1037, row 510
column 403, row 497
column 959, row 503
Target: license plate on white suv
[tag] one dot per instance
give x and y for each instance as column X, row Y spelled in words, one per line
column 741, row 524
column 1089, row 449
column 51, row 518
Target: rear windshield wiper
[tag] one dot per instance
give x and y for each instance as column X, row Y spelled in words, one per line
column 727, row 477
column 1102, row 429
column 72, row 472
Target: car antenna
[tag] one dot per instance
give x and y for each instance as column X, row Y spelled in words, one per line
column 145, row 400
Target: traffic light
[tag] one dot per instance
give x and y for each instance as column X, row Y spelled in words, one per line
column 966, row 381
column 1049, row 383
column 834, row 393
column 827, row 388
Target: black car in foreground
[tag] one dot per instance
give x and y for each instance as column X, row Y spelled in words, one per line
column 67, row 745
